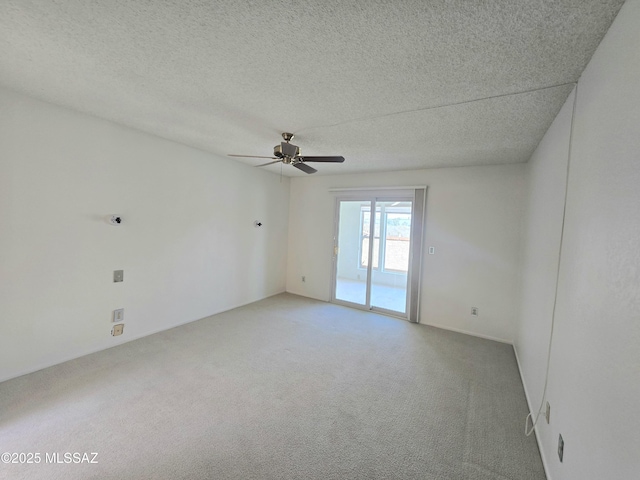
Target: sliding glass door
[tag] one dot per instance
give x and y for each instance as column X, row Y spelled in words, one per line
column 373, row 253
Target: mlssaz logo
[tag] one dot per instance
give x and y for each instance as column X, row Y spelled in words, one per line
column 69, row 457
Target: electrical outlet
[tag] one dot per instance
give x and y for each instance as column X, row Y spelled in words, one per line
column 118, row 276
column 547, row 413
column 304, row 279
column 432, row 250
column 474, row 311
column 560, row 448
column 117, row 329
column 118, row 315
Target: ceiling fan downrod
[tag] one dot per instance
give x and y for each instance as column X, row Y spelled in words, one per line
column 287, row 136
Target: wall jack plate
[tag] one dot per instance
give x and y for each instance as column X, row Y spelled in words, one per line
column 474, row 311
column 560, row 448
column 547, row 412
column 118, row 276
column 118, row 315
column 117, row 329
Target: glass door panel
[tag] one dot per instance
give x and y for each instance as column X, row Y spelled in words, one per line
column 389, row 275
column 352, row 251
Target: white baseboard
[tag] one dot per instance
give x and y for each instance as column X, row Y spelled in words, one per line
column 443, row 327
column 131, row 339
column 307, row 295
column 473, row 334
column 535, row 429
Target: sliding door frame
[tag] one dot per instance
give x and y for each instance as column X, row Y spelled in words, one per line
column 417, row 196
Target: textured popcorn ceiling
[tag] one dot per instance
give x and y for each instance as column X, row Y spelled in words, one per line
column 388, row 84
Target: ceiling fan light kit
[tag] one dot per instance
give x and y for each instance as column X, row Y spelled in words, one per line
column 289, row 154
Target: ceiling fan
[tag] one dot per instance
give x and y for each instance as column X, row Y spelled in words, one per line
column 289, row 154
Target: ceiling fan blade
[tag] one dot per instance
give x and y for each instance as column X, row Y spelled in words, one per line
column 304, row 168
column 269, row 163
column 247, row 156
column 322, row 159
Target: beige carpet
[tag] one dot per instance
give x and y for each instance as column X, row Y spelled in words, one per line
column 284, row 388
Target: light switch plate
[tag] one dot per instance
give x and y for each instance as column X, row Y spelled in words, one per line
column 118, row 315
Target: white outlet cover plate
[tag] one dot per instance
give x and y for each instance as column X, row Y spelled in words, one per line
column 118, row 315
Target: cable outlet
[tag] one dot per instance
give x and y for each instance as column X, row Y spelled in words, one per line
column 474, row 311
column 560, row 448
column 117, row 329
column 547, row 413
column 118, row 315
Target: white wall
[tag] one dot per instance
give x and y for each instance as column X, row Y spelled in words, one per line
column 594, row 383
column 472, row 220
column 188, row 245
column 542, row 229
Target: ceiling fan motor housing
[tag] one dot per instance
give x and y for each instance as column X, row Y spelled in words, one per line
column 286, row 150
